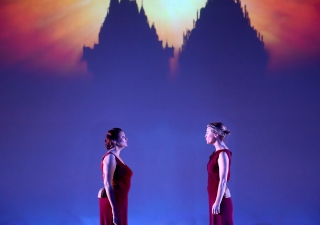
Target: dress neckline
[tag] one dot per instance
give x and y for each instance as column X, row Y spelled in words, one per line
column 117, row 158
column 217, row 151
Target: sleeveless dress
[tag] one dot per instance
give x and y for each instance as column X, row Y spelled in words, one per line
column 121, row 186
column 225, row 217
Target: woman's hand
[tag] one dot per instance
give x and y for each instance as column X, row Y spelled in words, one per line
column 215, row 208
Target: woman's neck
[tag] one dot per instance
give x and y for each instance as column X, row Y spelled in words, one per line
column 116, row 151
column 219, row 144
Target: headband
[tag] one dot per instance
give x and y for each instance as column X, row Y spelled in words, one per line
column 220, row 132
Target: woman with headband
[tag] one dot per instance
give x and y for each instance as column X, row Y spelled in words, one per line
column 220, row 203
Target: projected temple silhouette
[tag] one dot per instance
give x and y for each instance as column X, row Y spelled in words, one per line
column 222, row 36
column 127, row 43
column 222, row 41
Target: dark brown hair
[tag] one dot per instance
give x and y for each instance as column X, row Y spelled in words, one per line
column 220, row 128
column 112, row 135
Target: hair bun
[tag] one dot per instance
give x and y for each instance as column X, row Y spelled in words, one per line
column 227, row 132
column 111, row 135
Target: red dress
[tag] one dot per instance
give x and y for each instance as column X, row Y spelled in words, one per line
column 121, row 186
column 225, row 217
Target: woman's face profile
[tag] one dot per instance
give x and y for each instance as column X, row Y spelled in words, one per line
column 122, row 140
column 210, row 137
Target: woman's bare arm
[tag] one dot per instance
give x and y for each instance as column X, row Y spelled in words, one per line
column 223, row 162
column 109, row 166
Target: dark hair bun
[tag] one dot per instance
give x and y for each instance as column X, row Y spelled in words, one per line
column 220, row 128
column 112, row 135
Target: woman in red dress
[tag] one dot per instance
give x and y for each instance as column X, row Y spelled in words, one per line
column 220, row 203
column 116, row 175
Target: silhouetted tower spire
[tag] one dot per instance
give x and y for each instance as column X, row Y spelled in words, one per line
column 143, row 14
column 246, row 14
column 126, row 41
column 113, row 4
column 222, row 39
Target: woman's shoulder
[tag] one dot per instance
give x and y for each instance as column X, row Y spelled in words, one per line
column 108, row 156
column 225, row 151
column 217, row 153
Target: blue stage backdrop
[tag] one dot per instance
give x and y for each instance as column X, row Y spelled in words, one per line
column 71, row 70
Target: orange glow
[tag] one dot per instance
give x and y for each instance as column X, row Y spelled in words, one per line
column 50, row 34
column 290, row 28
